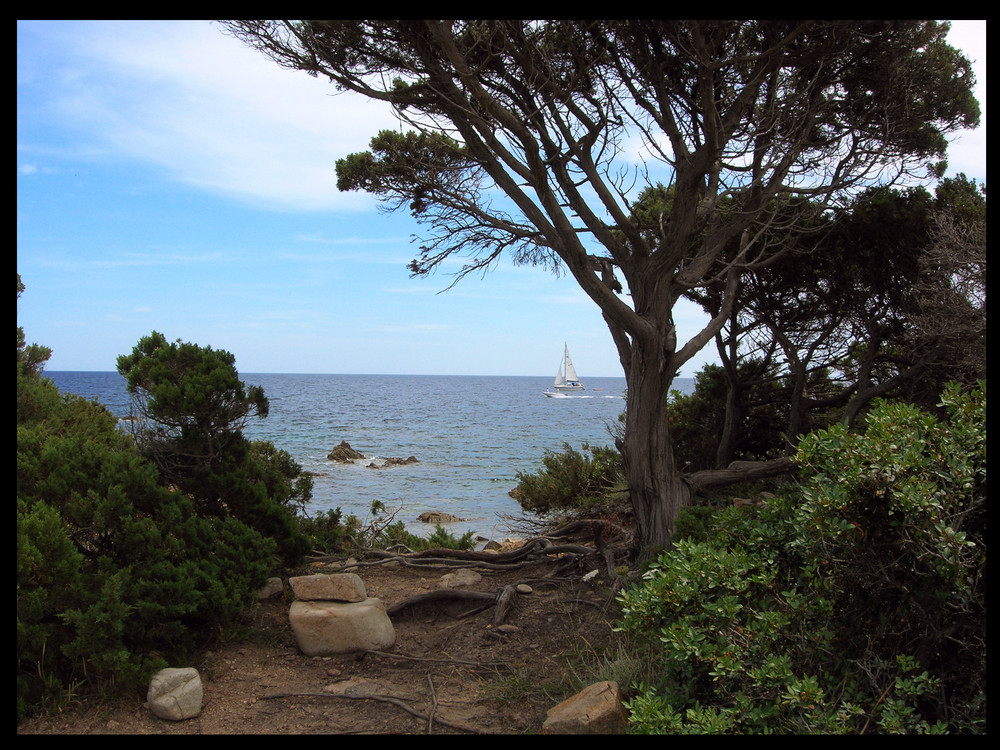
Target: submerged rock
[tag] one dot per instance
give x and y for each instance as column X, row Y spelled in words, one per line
column 432, row 516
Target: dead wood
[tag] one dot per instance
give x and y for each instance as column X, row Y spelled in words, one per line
column 390, row 699
column 739, row 471
column 440, row 596
column 504, row 601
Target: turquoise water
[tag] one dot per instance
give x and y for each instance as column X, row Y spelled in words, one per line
column 470, row 435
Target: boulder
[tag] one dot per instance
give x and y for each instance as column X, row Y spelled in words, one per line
column 401, row 461
column 433, row 516
column 596, row 709
column 344, row 453
column 336, row 587
column 324, row 628
column 175, row 694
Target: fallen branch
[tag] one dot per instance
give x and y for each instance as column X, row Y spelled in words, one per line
column 448, row 660
column 392, row 700
column 439, row 596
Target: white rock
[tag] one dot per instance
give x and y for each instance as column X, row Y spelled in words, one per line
column 323, row 628
column 175, row 694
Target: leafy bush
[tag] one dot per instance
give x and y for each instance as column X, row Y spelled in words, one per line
column 852, row 604
column 569, row 479
column 326, row 531
column 333, row 533
column 193, row 408
column 123, row 563
column 112, row 567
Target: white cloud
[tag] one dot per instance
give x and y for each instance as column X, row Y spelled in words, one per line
column 212, row 112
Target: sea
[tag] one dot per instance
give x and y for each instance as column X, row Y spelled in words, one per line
column 471, row 437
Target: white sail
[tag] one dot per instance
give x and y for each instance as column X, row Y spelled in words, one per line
column 570, row 370
column 566, row 378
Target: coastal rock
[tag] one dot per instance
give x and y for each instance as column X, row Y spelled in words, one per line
column 401, row 461
column 462, row 577
column 393, row 461
column 327, row 628
column 344, row 453
column 597, row 709
column 337, row 587
column 175, row 694
column 432, row 516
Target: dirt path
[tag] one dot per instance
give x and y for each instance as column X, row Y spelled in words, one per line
column 449, row 672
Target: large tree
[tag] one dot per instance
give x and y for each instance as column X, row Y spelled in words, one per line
column 522, row 136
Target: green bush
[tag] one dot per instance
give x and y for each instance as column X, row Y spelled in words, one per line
column 192, row 409
column 114, row 571
column 326, row 531
column 132, row 553
column 854, row 603
column 569, row 479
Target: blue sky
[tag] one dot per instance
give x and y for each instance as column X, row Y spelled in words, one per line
column 170, row 179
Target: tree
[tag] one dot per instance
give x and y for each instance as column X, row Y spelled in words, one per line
column 192, row 408
column 31, row 358
column 520, row 145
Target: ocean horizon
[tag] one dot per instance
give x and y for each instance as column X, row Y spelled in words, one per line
column 471, row 436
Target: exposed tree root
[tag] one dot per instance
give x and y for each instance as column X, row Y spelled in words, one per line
column 390, row 699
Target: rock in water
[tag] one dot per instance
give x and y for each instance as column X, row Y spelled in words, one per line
column 344, row 453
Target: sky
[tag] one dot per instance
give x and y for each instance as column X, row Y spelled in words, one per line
column 171, row 179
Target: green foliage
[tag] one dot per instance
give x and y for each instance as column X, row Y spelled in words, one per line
column 326, row 531
column 570, row 479
column 396, row 534
column 112, row 567
column 193, row 407
column 697, row 420
column 332, row 533
column 852, row 604
column 124, row 563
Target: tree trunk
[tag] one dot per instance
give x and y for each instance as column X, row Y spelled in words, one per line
column 655, row 485
column 734, row 415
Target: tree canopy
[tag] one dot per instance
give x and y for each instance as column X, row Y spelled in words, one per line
column 534, row 139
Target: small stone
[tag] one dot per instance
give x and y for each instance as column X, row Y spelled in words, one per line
column 175, row 694
column 273, row 587
column 523, row 588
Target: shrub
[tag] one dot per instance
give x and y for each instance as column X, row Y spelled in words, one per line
column 112, row 566
column 569, row 479
column 326, row 531
column 854, row 603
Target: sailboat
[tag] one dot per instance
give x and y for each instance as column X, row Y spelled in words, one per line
column 566, row 378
